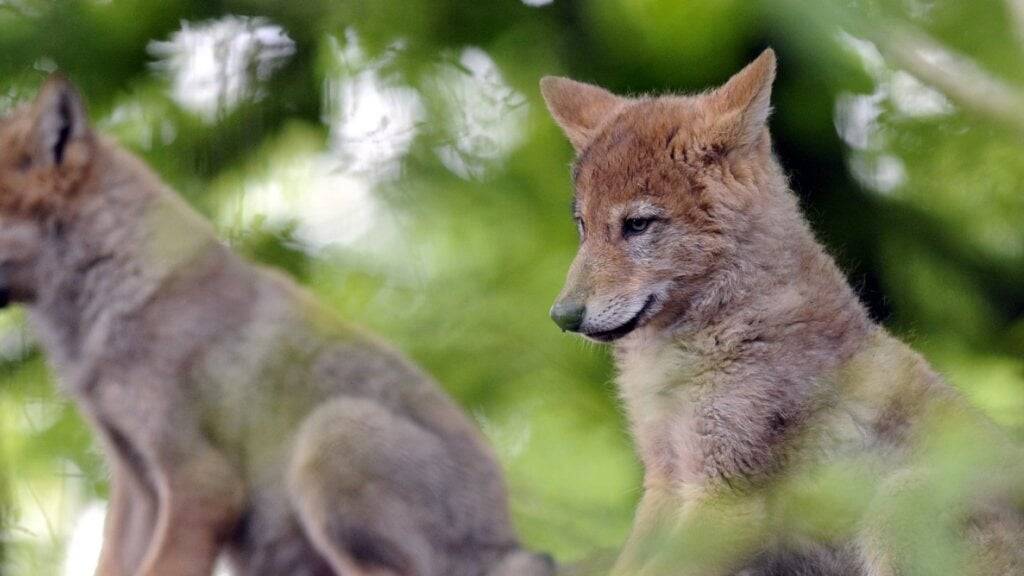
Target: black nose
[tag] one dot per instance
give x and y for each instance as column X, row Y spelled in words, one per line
column 568, row 314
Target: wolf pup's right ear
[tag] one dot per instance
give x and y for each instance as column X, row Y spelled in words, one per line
column 60, row 135
column 580, row 109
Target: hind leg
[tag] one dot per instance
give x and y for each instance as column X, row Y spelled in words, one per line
column 371, row 489
column 269, row 540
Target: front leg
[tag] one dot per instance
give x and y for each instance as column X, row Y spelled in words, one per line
column 685, row 530
column 129, row 525
column 131, row 512
column 199, row 495
column 655, row 517
column 200, row 500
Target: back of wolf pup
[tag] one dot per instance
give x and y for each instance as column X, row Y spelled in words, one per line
column 235, row 413
column 743, row 354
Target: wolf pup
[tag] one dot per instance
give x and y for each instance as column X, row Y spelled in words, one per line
column 741, row 350
column 235, row 412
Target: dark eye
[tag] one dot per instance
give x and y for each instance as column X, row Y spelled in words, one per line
column 580, row 227
column 635, row 226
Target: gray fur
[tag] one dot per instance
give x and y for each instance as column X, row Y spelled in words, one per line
column 236, row 413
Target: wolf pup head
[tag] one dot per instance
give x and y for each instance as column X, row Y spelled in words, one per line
column 46, row 150
column 666, row 187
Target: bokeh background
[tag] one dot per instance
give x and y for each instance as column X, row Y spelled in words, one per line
column 395, row 157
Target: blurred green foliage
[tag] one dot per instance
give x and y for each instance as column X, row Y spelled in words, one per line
column 396, row 158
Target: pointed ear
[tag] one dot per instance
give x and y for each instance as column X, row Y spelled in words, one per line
column 60, row 124
column 580, row 109
column 741, row 107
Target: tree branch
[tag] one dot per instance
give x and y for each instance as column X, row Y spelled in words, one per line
column 953, row 74
column 1016, row 8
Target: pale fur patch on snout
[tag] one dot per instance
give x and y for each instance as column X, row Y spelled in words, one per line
column 613, row 312
column 609, row 313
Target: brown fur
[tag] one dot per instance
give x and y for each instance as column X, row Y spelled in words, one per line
column 35, row 189
column 236, row 414
column 742, row 351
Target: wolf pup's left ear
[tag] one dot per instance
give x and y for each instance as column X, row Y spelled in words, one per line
column 580, row 109
column 741, row 107
column 60, row 134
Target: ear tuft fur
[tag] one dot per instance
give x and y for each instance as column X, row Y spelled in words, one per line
column 580, row 109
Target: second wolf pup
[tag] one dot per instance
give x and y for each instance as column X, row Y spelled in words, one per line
column 235, row 412
column 742, row 352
